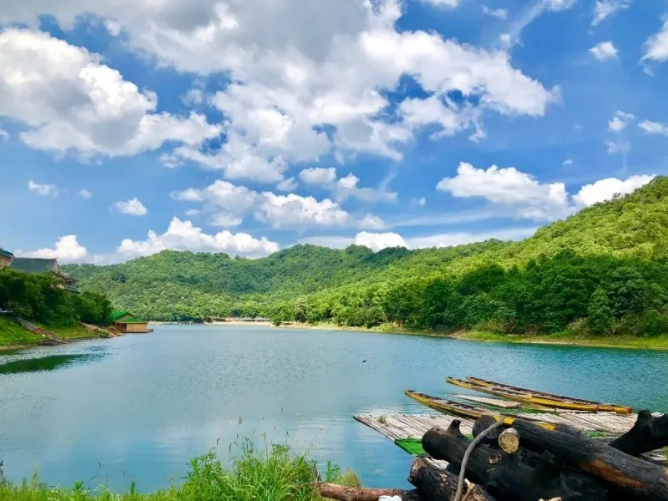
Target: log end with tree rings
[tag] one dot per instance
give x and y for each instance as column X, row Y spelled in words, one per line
column 509, row 441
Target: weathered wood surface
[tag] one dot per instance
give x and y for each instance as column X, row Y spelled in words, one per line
column 493, row 402
column 648, row 433
column 525, row 476
column 435, row 485
column 634, row 476
column 340, row 493
column 509, row 441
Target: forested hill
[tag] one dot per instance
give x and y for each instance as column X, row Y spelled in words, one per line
column 566, row 265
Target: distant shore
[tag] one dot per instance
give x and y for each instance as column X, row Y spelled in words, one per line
column 659, row 343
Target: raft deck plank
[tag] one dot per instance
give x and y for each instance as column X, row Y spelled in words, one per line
column 493, row 402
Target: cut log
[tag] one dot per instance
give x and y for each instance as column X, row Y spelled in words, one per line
column 509, row 441
column 451, row 446
column 648, row 434
column 440, row 485
column 510, row 473
column 333, row 491
column 632, row 475
column 481, row 424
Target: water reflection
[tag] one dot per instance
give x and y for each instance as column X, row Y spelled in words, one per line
column 49, row 363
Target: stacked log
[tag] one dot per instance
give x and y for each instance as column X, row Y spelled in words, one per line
column 530, row 463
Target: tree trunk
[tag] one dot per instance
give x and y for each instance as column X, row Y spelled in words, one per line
column 451, row 446
column 439, row 485
column 632, row 475
column 333, row 491
column 648, row 434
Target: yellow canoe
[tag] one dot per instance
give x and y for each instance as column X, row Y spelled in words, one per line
column 467, row 411
column 525, row 396
column 620, row 409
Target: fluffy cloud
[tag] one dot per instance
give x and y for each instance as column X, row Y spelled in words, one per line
column 226, row 202
column 296, row 65
column 289, row 184
column 656, row 46
column 568, row 161
column 295, row 211
column 132, row 207
column 654, row 127
column 379, row 241
column 85, row 194
column 69, row 100
column 44, row 190
column 318, row 175
column 604, row 51
column 606, row 189
column 4, row 135
column 66, row 250
column 497, row 13
column 605, row 8
column 182, row 235
column 620, row 121
column 519, row 192
column 344, row 188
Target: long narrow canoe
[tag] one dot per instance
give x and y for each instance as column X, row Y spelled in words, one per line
column 464, row 410
column 525, row 396
column 620, row 409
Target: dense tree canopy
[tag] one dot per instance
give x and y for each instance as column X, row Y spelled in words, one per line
column 603, row 270
column 38, row 297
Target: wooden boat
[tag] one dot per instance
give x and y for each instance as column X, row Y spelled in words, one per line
column 620, row 409
column 526, row 397
column 468, row 411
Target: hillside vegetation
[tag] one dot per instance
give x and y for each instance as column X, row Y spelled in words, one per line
column 601, row 271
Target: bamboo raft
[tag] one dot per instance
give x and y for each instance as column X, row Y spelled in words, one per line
column 403, row 426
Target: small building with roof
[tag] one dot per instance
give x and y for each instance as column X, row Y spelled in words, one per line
column 6, row 258
column 126, row 322
column 41, row 265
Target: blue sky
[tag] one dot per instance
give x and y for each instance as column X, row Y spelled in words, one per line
column 127, row 128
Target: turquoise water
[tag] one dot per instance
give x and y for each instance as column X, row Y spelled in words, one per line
column 140, row 407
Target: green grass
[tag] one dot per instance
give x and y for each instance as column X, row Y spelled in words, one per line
column 272, row 475
column 12, row 334
column 75, row 332
column 569, row 338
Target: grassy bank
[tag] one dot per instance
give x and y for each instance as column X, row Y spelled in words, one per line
column 568, row 338
column 564, row 338
column 276, row 475
column 14, row 336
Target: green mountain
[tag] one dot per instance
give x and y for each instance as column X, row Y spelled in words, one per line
column 543, row 283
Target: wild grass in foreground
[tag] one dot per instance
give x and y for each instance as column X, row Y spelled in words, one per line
column 273, row 475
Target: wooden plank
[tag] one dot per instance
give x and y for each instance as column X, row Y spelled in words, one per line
column 494, row 402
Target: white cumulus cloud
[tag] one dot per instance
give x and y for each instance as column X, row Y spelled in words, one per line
column 510, row 188
column 606, row 189
column 287, row 185
column 318, row 175
column 44, row 190
column 66, row 250
column 558, row 5
column 132, row 207
column 85, row 194
column 71, row 101
column 654, row 128
column 656, row 46
column 620, row 121
column 379, row 241
column 604, row 51
column 183, row 235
